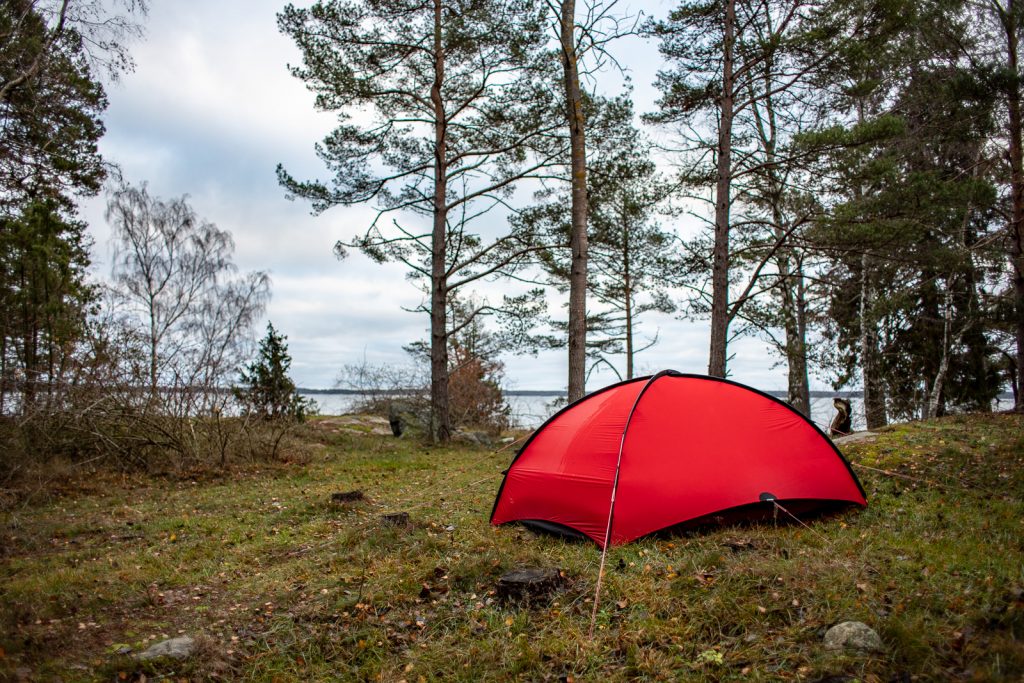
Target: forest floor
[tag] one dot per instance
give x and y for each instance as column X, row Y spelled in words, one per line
column 276, row 582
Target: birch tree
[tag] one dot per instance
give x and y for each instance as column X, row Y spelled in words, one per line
column 177, row 272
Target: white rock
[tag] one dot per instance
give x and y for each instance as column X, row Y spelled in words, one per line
column 854, row 635
column 176, row 648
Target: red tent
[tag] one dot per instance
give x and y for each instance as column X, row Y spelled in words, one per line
column 676, row 449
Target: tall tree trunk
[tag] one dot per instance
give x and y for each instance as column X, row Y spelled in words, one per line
column 720, row 265
column 1016, row 187
column 440, row 416
column 578, row 235
column 627, row 285
column 874, row 392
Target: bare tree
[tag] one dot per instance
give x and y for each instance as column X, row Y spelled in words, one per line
column 176, row 271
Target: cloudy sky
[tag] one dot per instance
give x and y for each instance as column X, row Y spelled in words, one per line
column 211, row 109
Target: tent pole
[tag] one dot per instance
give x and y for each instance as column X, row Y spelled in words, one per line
column 611, row 505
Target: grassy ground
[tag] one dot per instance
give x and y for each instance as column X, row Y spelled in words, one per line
column 280, row 584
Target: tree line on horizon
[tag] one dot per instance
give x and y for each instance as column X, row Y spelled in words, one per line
column 854, row 169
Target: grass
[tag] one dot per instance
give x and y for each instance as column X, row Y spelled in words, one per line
column 279, row 584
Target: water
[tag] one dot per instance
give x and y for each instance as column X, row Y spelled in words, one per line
column 530, row 411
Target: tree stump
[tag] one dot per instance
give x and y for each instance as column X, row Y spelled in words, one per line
column 529, row 584
column 399, row 519
column 347, row 497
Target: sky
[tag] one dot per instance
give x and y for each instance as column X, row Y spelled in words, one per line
column 209, row 112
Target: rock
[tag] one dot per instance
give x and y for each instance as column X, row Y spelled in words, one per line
column 855, row 438
column 529, row 583
column 476, row 438
column 176, row 648
column 347, row 497
column 853, row 635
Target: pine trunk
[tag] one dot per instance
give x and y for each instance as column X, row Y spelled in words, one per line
column 1016, row 190
column 720, row 256
column 627, row 285
column 578, row 237
column 440, row 417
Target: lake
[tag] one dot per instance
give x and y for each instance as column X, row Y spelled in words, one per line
column 530, row 410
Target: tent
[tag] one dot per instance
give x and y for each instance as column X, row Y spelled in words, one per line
column 672, row 449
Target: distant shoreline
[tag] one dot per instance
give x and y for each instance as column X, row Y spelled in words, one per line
column 778, row 393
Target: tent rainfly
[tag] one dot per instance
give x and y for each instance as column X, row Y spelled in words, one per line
column 672, row 449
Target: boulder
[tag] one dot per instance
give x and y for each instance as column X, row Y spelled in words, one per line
column 853, row 635
column 176, row 648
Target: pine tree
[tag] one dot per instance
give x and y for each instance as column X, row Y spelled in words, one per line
column 440, row 105
column 44, row 298
column 269, row 393
column 908, row 208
